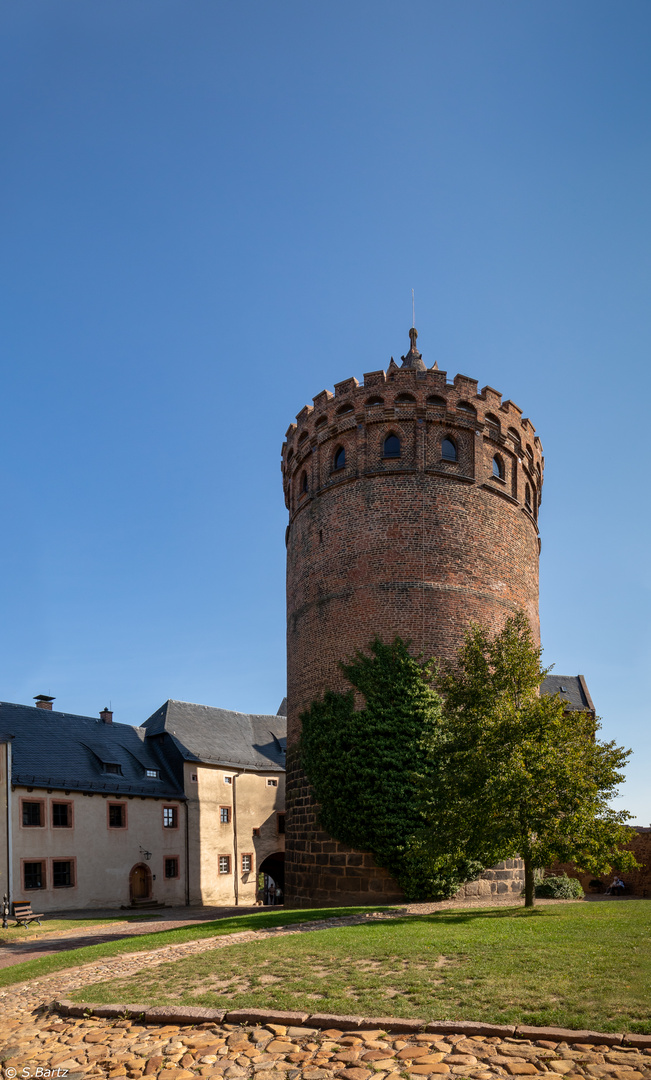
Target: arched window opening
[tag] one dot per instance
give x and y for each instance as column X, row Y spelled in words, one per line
column 498, row 467
column 405, row 399
column 339, row 459
column 374, row 401
column 529, row 452
column 527, row 497
column 514, row 435
column 302, row 437
column 321, row 421
column 493, row 423
column 304, row 483
column 391, row 446
column 343, row 409
column 465, row 406
column 290, row 455
column 448, row 450
column 434, row 399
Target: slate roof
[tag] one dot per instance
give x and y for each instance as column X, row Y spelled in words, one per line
column 572, row 689
column 222, row 737
column 63, row 751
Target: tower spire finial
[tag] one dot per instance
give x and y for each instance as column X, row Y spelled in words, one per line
column 413, row 311
column 413, row 359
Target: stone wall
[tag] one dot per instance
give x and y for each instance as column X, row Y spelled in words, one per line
column 503, row 878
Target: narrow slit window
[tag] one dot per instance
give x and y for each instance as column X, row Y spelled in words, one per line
column 391, row 446
column 448, row 450
column 339, row 460
column 527, row 497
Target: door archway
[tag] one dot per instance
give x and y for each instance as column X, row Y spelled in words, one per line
column 273, row 883
column 140, row 882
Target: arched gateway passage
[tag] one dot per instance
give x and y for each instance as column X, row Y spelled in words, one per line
column 272, row 872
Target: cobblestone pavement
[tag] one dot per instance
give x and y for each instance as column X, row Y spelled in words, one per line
column 36, row 1042
column 130, row 1050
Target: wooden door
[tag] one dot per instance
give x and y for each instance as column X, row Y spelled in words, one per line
column 139, row 883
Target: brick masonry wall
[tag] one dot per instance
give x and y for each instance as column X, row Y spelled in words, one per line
column 638, row 882
column 417, row 546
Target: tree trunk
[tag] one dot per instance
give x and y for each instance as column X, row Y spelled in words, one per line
column 529, row 884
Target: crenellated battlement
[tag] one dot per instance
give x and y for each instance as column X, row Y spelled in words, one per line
column 421, row 407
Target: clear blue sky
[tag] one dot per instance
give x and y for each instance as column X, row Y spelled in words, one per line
column 213, row 210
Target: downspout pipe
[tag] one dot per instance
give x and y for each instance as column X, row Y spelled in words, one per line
column 10, row 858
column 236, row 873
column 187, row 855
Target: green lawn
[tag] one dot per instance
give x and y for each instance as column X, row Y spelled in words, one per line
column 45, row 965
column 571, row 965
column 23, row 933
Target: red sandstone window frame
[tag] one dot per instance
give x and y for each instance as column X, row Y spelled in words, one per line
column 72, row 859
column 43, row 824
column 125, row 816
column 225, row 815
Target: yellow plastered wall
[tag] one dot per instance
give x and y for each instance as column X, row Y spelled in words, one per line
column 254, row 804
column 104, row 857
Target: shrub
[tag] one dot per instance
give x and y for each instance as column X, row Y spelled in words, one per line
column 559, row 887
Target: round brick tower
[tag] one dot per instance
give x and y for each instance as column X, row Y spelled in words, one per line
column 413, row 505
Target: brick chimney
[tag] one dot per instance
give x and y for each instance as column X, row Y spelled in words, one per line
column 43, row 701
column 106, row 715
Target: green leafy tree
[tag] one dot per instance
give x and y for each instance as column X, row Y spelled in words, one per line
column 511, row 773
column 361, row 764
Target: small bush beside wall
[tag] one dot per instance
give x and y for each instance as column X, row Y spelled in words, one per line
column 559, row 887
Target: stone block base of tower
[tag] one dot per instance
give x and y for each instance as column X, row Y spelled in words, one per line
column 321, row 872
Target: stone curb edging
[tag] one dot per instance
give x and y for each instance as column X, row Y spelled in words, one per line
column 193, row 1015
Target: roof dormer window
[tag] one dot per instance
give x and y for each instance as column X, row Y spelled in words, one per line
column 153, row 774
column 113, row 767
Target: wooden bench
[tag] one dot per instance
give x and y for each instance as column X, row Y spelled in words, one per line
column 23, row 914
